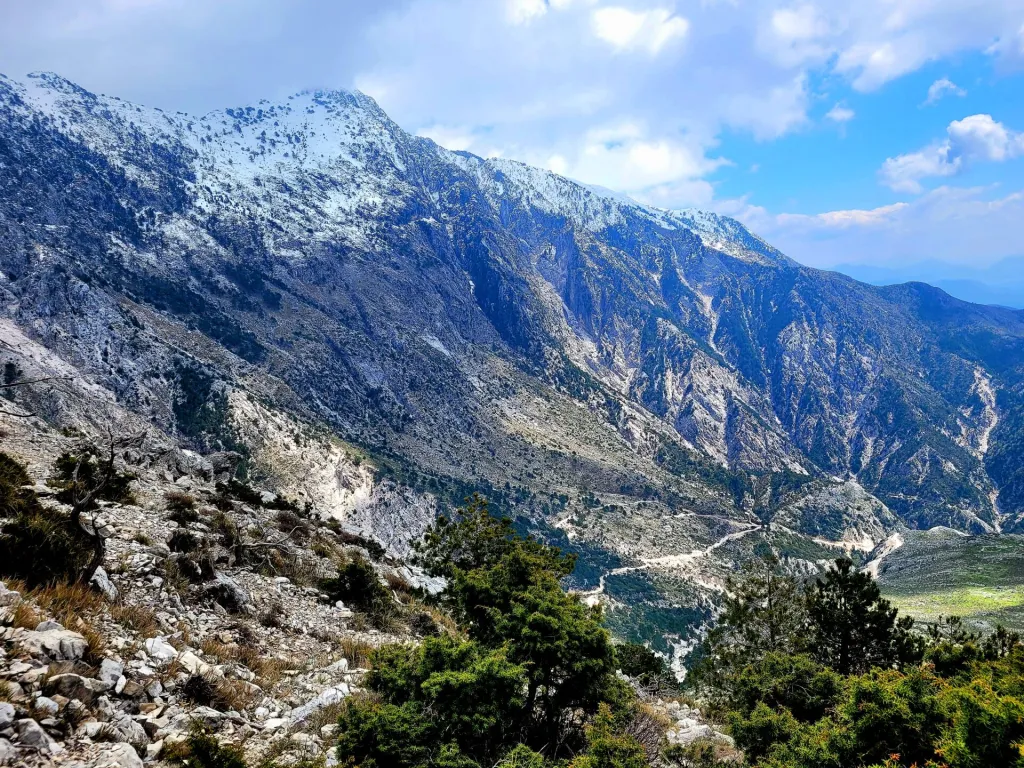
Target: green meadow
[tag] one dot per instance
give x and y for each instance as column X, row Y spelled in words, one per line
column 942, row 573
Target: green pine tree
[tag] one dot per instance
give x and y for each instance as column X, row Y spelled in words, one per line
column 852, row 628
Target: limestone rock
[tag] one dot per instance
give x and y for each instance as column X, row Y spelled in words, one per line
column 45, row 707
column 110, row 671
column 326, row 698
column 227, row 593
column 160, row 649
column 74, row 686
column 8, row 597
column 119, row 756
column 53, row 644
column 193, row 663
column 132, row 732
column 225, row 463
column 31, row 734
column 101, row 581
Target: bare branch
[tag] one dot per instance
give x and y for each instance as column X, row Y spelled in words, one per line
column 17, row 415
column 284, row 543
column 26, row 382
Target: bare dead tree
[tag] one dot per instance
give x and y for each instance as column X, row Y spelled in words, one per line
column 25, row 383
column 648, row 728
column 84, row 494
column 261, row 550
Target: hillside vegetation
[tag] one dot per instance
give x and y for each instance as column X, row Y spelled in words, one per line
column 941, row 573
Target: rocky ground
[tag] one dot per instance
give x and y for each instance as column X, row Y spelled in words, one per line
column 119, row 674
column 208, row 611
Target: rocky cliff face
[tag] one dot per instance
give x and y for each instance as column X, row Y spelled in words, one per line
column 381, row 326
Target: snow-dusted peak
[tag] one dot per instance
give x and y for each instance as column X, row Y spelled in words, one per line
column 548, row 192
column 727, row 235
column 346, row 154
column 596, row 208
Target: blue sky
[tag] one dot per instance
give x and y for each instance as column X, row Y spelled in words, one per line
column 879, row 132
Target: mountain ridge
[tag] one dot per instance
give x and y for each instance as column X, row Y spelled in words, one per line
column 639, row 384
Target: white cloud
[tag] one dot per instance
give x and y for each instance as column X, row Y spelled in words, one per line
column 132, row 5
column 625, row 158
column 840, row 114
column 977, row 138
column 875, row 64
column 799, row 24
column 449, row 137
column 940, row 88
column 881, row 40
column 557, row 164
column 844, row 219
column 649, row 30
column 666, row 171
column 796, row 35
column 1009, row 46
column 682, row 193
column 771, row 112
column 951, row 224
column 523, row 11
column 904, row 172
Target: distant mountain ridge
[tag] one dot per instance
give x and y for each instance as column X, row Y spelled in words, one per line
column 663, row 391
column 1000, row 284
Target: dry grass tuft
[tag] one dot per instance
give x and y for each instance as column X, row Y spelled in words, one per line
column 174, row 578
column 328, row 715
column 303, row 569
column 445, row 623
column 97, row 644
column 220, row 693
column 356, row 651
column 268, row 669
column 648, row 725
column 218, row 650
column 399, row 584
column 170, row 672
column 322, row 547
column 26, row 616
column 274, row 617
column 138, row 618
column 67, row 602
column 236, row 695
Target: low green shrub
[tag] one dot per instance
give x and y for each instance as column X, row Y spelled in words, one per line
column 38, row 545
column 202, row 750
column 358, row 586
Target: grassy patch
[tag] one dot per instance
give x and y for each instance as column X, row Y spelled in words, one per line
column 966, row 602
column 803, row 548
column 939, row 572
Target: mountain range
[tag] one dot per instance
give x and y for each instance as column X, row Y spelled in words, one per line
column 1000, row 283
column 380, row 326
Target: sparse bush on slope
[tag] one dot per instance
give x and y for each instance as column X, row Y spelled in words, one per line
column 38, row 545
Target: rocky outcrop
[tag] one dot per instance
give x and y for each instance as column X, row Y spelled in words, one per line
column 253, row 656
